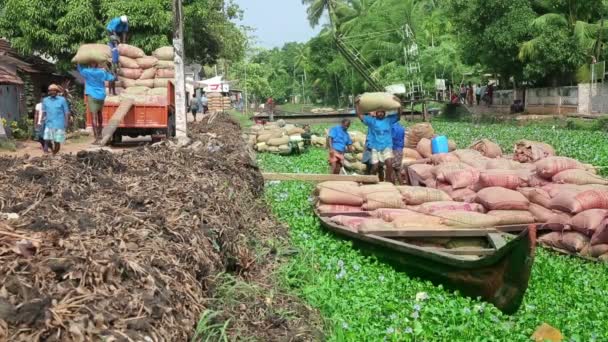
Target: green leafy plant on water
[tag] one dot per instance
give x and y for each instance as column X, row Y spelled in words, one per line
column 363, row 299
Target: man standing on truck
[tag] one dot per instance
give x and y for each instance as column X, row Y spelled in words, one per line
column 381, row 139
column 114, row 41
column 338, row 141
column 94, row 88
column 119, row 27
column 55, row 112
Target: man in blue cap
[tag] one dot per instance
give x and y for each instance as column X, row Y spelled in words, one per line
column 119, row 27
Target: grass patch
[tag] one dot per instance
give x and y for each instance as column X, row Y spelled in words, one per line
column 243, row 119
column 7, row 145
column 362, row 299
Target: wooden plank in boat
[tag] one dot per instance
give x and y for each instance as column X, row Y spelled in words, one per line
column 468, row 251
column 428, row 232
column 398, row 245
column 319, row 177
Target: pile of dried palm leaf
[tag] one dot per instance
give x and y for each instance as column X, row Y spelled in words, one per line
column 122, row 247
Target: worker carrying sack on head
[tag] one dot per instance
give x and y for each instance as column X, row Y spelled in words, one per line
column 95, row 77
column 380, row 136
column 119, row 26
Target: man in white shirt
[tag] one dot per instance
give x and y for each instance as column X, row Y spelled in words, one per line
column 39, row 126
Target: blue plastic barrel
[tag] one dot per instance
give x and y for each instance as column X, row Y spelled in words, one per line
column 439, row 144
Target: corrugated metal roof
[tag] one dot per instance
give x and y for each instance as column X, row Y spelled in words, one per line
column 28, row 63
column 7, row 77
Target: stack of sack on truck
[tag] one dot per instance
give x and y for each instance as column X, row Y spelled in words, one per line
column 479, row 187
column 275, row 137
column 140, row 77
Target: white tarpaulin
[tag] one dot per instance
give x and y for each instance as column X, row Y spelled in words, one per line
column 214, row 85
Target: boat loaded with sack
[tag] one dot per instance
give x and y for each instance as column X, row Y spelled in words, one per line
column 425, row 233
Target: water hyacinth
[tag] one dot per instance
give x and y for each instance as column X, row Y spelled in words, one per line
column 557, row 285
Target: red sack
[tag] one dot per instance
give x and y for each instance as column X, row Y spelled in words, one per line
column 590, row 199
column 574, row 241
column 496, row 198
column 551, row 166
column 502, row 178
column 601, row 234
column 461, row 178
column 589, row 221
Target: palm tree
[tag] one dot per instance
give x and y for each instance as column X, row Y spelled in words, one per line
column 574, row 16
column 336, row 9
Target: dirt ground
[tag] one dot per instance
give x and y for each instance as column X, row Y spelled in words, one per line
column 82, row 143
column 136, row 246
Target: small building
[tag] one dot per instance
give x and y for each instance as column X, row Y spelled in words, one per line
column 15, row 71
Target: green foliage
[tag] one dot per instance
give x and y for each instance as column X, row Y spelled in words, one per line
column 58, row 30
column 21, row 129
column 363, row 299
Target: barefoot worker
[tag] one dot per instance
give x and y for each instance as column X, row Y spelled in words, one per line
column 55, row 112
column 338, row 141
column 381, row 139
column 94, row 88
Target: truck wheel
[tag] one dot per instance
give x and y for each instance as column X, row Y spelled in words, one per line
column 116, row 138
column 171, row 125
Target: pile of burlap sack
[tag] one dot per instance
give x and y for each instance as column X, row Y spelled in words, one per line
column 218, row 103
column 275, row 137
column 140, row 77
column 479, row 187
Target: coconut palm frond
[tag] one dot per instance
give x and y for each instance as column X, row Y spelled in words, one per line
column 529, row 49
column 549, row 19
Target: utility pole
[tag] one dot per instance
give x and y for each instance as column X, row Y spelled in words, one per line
column 181, row 126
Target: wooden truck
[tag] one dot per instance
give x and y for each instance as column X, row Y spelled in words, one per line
column 152, row 115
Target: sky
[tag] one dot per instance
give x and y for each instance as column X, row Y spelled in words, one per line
column 277, row 22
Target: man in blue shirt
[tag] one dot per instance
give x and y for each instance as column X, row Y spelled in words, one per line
column 381, row 142
column 119, row 26
column 55, row 113
column 338, row 141
column 94, row 88
column 398, row 133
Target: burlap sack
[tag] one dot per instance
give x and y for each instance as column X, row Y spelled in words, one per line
column 496, row 198
column 162, row 82
column 370, row 102
column 158, row 91
column 126, row 62
column 144, row 83
column 147, row 62
column 130, row 51
column 132, row 74
column 148, row 74
column 92, row 53
column 164, row 53
column 165, row 65
column 487, row 148
column 165, row 73
column 549, row 167
column 418, row 131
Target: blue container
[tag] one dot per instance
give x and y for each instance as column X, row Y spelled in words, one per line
column 439, row 144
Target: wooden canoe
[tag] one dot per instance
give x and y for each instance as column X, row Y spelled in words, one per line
column 498, row 274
